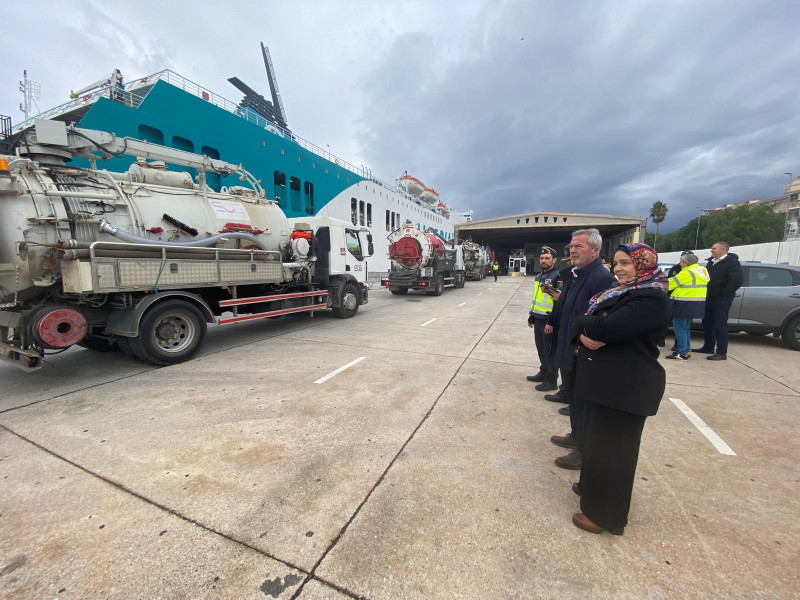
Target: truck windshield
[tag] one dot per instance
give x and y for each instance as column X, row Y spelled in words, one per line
column 353, row 243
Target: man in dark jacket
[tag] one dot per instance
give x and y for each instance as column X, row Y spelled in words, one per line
column 586, row 278
column 726, row 277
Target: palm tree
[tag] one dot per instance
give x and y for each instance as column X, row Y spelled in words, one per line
column 658, row 212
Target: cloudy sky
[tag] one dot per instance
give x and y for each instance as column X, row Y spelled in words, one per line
column 504, row 107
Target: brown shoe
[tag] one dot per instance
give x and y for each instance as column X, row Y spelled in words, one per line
column 582, row 521
column 576, row 488
column 571, row 461
column 565, row 441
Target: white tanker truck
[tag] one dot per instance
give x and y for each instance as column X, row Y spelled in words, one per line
column 421, row 260
column 475, row 260
column 143, row 260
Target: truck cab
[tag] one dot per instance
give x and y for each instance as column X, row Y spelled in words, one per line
column 342, row 252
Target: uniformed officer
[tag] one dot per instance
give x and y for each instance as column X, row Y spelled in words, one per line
column 688, row 298
column 495, row 270
column 541, row 306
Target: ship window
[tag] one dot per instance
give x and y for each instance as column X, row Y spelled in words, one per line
column 294, row 193
column 313, row 164
column 369, row 214
column 354, row 211
column 338, row 175
column 182, row 143
column 393, row 227
column 326, row 170
column 151, row 134
column 283, row 151
column 361, row 213
column 298, row 158
column 308, row 189
column 263, row 143
column 348, row 180
column 280, row 189
column 213, row 180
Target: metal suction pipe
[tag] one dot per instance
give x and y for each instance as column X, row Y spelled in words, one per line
column 107, row 227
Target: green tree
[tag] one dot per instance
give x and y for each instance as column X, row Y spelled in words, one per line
column 658, row 212
column 745, row 224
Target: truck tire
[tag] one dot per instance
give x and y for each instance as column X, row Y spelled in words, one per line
column 170, row 332
column 349, row 303
column 461, row 280
column 791, row 333
column 399, row 291
column 439, row 287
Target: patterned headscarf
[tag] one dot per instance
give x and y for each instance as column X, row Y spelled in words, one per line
column 648, row 274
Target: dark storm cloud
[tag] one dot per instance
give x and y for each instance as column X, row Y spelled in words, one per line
column 603, row 108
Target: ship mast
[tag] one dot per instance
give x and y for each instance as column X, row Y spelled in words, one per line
column 273, row 82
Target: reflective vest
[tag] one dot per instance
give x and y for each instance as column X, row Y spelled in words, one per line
column 542, row 303
column 495, row 267
column 690, row 284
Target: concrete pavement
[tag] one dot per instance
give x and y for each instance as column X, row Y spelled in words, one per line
column 422, row 471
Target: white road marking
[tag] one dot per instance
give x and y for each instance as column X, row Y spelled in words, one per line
column 480, row 294
column 429, row 322
column 339, row 370
column 462, row 304
column 717, row 441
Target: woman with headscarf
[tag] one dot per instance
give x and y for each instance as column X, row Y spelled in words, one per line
column 618, row 372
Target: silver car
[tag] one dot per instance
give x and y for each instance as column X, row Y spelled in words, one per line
column 768, row 302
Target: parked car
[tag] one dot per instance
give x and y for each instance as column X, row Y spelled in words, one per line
column 768, row 302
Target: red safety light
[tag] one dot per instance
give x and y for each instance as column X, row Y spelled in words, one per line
column 422, row 284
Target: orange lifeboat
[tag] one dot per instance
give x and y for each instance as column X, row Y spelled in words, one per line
column 411, row 184
column 429, row 195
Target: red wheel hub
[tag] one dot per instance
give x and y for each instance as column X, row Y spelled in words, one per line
column 61, row 327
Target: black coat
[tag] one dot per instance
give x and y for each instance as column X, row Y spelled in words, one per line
column 726, row 277
column 625, row 373
column 579, row 286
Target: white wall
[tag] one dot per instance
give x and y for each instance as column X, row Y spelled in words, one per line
column 772, row 252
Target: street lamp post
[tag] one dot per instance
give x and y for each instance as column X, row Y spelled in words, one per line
column 788, row 198
column 697, row 235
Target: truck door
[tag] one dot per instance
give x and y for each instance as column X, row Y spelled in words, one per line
column 354, row 259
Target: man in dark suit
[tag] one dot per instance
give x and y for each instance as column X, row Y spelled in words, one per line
column 726, row 277
column 586, row 278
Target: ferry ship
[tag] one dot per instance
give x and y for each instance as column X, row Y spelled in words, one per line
column 303, row 178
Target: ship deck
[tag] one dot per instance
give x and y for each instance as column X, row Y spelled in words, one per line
column 424, row 470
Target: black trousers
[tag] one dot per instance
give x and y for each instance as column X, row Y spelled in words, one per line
column 611, row 451
column 576, row 405
column 715, row 324
column 544, row 347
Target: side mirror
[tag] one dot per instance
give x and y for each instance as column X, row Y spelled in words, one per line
column 370, row 247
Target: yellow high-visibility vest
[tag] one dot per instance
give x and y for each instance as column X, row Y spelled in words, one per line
column 495, row 267
column 542, row 303
column 690, row 284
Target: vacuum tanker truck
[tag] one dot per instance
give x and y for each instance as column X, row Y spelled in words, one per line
column 142, row 261
column 421, row 260
column 475, row 260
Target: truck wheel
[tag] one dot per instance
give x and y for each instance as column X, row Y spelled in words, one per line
column 349, row 303
column 791, row 333
column 98, row 344
column 462, row 280
column 439, row 287
column 170, row 332
column 399, row 291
